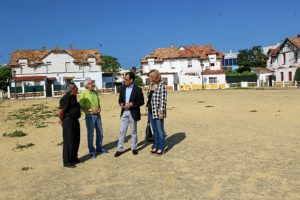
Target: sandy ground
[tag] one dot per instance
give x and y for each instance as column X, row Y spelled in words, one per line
column 230, row 144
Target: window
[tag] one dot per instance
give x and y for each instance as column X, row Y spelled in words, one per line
column 212, row 79
column 283, row 58
column 190, row 63
column 234, row 61
column 37, row 83
column 212, row 64
column 296, row 57
column 281, row 76
column 81, row 84
column 67, row 66
column 48, row 67
column 290, row 76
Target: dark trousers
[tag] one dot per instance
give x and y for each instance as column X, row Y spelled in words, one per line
column 71, row 139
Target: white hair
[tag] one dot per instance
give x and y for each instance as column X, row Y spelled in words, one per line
column 86, row 82
column 70, row 86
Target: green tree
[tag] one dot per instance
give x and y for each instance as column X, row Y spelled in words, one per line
column 138, row 81
column 5, row 73
column 111, row 64
column 297, row 75
column 251, row 58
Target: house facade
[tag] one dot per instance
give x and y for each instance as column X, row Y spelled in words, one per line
column 186, row 67
column 55, row 67
column 230, row 60
column 285, row 59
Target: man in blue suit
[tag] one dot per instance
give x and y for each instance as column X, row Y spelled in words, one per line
column 130, row 99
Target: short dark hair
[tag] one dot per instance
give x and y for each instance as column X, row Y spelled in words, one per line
column 131, row 75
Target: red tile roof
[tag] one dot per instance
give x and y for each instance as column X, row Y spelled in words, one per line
column 295, row 41
column 35, row 57
column 274, row 52
column 30, row 78
column 200, row 52
column 210, row 72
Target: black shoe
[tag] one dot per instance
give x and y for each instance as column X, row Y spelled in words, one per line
column 70, row 166
column 76, row 161
column 118, row 153
column 135, row 152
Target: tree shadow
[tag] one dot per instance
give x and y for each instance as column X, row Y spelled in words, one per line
column 173, row 140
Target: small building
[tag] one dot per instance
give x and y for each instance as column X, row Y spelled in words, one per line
column 264, row 76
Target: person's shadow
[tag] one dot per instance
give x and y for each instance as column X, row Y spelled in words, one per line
column 173, row 140
column 170, row 142
column 108, row 147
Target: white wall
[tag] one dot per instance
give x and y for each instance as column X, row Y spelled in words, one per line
column 180, row 66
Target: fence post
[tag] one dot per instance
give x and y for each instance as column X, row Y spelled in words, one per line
column 8, row 92
column 283, row 84
column 257, row 83
column 23, row 88
column 52, row 89
column 44, row 90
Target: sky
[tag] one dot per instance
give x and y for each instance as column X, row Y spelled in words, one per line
column 131, row 29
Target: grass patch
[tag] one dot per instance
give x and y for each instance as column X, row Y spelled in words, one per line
column 36, row 115
column 41, row 125
column 24, row 146
column 15, row 134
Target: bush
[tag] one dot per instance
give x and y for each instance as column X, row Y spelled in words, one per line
column 297, row 75
column 15, row 134
column 245, row 73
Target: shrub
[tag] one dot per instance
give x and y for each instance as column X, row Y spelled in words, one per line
column 15, row 134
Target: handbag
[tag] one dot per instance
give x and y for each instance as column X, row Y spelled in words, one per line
column 149, row 132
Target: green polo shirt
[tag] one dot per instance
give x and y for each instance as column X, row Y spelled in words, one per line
column 89, row 100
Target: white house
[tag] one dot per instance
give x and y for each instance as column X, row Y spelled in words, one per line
column 55, row 67
column 285, row 59
column 186, row 67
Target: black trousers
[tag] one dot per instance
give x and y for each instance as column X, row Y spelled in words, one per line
column 71, row 140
